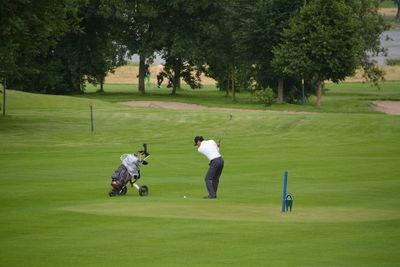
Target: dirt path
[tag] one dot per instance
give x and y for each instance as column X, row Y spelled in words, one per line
column 178, row 105
column 389, row 107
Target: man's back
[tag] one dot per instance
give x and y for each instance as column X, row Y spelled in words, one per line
column 209, row 149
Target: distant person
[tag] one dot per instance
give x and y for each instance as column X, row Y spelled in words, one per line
column 210, row 149
column 160, row 74
column 147, row 72
column 170, row 81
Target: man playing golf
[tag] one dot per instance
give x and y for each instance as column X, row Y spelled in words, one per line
column 210, row 149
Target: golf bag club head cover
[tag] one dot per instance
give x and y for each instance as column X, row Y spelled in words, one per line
column 144, row 151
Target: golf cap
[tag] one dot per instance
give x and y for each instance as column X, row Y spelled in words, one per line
column 198, row 138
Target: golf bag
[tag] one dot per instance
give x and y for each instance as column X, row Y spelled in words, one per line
column 129, row 171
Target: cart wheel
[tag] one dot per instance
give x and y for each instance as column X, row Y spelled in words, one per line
column 123, row 191
column 112, row 193
column 143, row 191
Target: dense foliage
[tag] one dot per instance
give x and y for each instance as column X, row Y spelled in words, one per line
column 28, row 29
column 244, row 45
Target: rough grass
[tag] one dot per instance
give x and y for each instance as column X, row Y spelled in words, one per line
column 393, row 62
column 343, row 98
column 387, row 4
column 55, row 174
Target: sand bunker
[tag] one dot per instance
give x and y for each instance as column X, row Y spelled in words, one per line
column 389, row 107
column 178, row 105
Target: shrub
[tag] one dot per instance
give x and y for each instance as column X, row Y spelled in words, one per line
column 266, row 96
column 393, row 62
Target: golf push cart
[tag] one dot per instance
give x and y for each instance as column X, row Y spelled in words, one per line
column 129, row 171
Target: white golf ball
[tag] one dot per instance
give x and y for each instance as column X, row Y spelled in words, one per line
column 184, row 196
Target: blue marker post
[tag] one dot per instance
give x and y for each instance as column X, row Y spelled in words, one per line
column 284, row 191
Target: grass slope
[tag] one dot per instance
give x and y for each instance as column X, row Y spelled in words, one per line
column 387, row 4
column 353, row 97
column 343, row 172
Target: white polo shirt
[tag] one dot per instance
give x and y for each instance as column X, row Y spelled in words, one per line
column 209, row 149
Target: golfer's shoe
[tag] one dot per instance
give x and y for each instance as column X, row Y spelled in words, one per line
column 209, row 197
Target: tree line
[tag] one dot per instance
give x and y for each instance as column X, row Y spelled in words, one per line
column 58, row 46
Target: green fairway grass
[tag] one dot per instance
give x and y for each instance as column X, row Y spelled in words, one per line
column 343, row 163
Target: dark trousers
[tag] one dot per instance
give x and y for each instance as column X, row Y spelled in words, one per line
column 212, row 176
column 160, row 79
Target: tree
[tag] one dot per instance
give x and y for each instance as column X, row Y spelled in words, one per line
column 101, row 43
column 182, row 31
column 397, row 3
column 80, row 56
column 30, row 28
column 225, row 60
column 138, row 31
column 244, row 38
column 104, row 48
column 262, row 24
column 323, row 42
column 370, row 27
